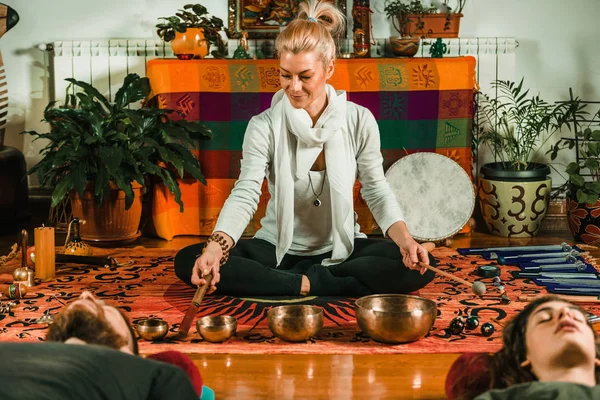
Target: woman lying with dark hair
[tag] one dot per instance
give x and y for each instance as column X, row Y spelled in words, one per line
column 550, row 352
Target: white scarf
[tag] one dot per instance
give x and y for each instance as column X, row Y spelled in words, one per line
column 328, row 133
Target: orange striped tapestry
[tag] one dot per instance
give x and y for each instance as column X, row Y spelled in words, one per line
column 420, row 104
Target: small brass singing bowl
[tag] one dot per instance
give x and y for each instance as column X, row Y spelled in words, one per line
column 395, row 318
column 152, row 328
column 216, row 329
column 295, row 323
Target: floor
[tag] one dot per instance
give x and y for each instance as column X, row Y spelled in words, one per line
column 319, row 376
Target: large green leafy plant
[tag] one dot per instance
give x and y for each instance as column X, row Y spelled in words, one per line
column 514, row 125
column 584, row 173
column 194, row 16
column 94, row 141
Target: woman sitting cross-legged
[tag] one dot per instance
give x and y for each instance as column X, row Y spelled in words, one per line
column 311, row 145
column 550, row 352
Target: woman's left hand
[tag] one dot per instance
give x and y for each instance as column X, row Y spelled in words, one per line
column 412, row 252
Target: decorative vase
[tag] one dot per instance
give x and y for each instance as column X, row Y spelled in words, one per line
column 514, row 203
column 76, row 246
column 404, row 47
column 361, row 20
column 190, row 44
column 584, row 220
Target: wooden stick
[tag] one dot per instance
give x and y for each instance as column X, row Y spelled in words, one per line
column 444, row 273
column 572, row 299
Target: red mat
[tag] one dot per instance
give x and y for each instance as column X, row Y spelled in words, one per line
column 149, row 288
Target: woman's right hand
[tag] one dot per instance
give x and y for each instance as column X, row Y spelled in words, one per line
column 208, row 262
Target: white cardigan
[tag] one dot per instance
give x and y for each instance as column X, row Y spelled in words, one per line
column 312, row 225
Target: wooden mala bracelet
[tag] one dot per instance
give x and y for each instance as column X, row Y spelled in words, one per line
column 218, row 238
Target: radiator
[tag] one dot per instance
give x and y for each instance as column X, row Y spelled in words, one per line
column 105, row 63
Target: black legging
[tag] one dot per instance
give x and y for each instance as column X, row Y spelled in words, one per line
column 375, row 266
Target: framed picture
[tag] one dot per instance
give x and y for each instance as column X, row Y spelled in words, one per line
column 262, row 19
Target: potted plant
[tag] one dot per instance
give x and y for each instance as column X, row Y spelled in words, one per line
column 514, row 189
column 413, row 18
column 101, row 155
column 191, row 32
column 582, row 187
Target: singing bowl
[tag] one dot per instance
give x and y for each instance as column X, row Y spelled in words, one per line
column 152, row 328
column 295, row 323
column 395, row 318
column 216, row 329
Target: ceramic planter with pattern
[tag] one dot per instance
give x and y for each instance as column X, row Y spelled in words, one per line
column 584, row 220
column 514, row 203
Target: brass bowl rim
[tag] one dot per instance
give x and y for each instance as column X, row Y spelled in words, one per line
column 228, row 321
column 142, row 324
column 271, row 312
column 432, row 304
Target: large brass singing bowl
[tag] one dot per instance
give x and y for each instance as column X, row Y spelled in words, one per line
column 395, row 318
column 295, row 323
column 216, row 329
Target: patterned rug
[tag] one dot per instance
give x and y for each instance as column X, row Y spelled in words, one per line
column 149, row 288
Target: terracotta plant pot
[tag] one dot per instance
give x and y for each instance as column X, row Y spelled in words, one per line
column 584, row 220
column 514, row 203
column 404, row 47
column 190, row 44
column 434, row 25
column 109, row 222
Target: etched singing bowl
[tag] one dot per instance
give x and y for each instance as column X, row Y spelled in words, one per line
column 216, row 329
column 152, row 328
column 295, row 323
column 395, row 318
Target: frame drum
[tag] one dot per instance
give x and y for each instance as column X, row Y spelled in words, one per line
column 435, row 195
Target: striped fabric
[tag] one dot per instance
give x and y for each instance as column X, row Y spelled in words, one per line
column 8, row 19
column 3, row 101
column 421, row 104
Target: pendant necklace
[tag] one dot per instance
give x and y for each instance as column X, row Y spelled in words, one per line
column 317, row 202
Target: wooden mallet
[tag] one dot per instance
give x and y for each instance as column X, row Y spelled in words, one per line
column 186, row 323
column 477, row 287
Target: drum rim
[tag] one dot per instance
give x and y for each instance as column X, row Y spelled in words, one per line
column 473, row 197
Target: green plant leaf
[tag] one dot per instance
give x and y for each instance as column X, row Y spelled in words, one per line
column 596, row 135
column 592, row 164
column 584, row 197
column 173, row 186
column 592, row 187
column 199, row 9
column 101, row 183
column 78, row 172
column 577, row 180
column 63, row 187
column 134, row 89
column 125, row 186
column 572, row 168
column 91, row 91
column 112, row 158
column 189, row 161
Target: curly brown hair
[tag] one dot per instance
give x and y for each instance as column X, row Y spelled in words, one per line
column 79, row 322
column 506, row 369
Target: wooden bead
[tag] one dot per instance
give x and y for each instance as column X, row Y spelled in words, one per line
column 16, row 290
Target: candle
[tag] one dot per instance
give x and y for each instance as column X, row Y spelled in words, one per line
column 44, row 253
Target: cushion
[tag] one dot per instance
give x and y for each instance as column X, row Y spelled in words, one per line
column 469, row 376
column 184, row 362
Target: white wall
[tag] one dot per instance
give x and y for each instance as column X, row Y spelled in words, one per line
column 558, row 44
